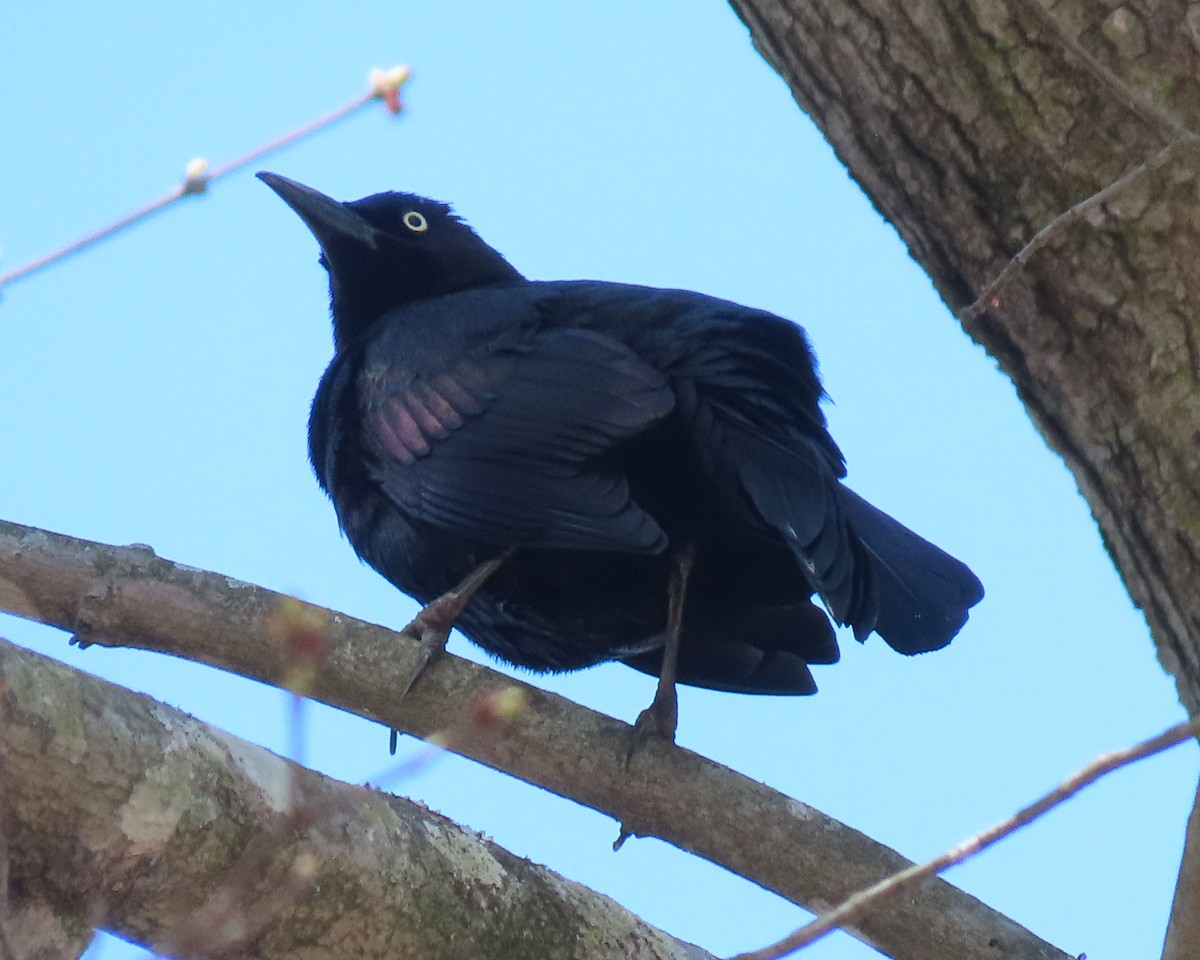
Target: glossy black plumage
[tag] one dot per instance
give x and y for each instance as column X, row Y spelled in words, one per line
column 598, row 428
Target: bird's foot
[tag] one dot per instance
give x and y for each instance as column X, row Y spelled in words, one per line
column 656, row 722
column 431, row 629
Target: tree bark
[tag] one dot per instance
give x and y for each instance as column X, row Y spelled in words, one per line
column 189, row 841
column 1183, row 931
column 972, row 127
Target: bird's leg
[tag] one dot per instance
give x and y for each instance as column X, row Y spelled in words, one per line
column 660, row 718
column 432, row 626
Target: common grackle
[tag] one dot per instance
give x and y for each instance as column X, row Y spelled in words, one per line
column 578, row 471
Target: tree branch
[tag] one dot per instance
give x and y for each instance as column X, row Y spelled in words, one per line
column 183, row 838
column 907, row 879
column 1183, row 930
column 128, row 596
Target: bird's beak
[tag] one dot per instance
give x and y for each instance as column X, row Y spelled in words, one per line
column 331, row 222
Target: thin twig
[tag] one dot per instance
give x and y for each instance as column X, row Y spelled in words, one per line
column 855, row 905
column 384, row 85
column 988, row 299
column 1149, row 110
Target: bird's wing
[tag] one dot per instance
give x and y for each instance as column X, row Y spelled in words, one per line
column 506, row 444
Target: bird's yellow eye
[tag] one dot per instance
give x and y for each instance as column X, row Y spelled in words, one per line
column 415, row 222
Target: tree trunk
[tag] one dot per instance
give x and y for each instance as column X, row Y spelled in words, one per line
column 975, row 126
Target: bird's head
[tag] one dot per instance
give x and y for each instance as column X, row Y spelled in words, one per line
column 388, row 250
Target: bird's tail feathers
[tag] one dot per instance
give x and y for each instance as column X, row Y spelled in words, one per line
column 871, row 571
column 924, row 593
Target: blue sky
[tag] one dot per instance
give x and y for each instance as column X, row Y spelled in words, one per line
column 155, row 390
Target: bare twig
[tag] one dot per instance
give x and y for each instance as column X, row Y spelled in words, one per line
column 989, row 299
column 384, row 85
column 916, row 874
column 1169, row 125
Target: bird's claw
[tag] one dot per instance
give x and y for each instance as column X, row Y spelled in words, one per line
column 431, row 632
column 656, row 722
column 431, row 627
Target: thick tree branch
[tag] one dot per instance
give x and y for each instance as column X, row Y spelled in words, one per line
column 40, row 928
column 185, row 839
column 1183, row 931
column 128, row 596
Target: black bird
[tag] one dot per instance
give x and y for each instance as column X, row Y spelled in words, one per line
column 578, row 471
